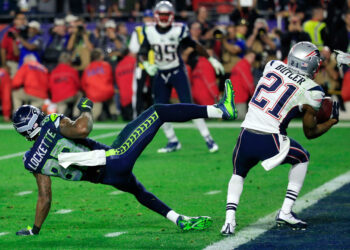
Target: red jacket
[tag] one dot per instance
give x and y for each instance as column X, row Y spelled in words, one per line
column 7, row 44
column 203, row 79
column 64, row 82
column 35, row 79
column 97, row 81
column 242, row 81
column 5, row 92
column 345, row 91
column 124, row 74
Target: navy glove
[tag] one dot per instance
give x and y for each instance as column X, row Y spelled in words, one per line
column 335, row 111
column 28, row 231
column 85, row 104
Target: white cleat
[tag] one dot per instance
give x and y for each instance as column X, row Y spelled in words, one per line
column 228, row 229
column 170, row 147
column 290, row 220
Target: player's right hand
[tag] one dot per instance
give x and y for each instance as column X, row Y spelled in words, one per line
column 26, row 232
column 151, row 69
column 85, row 104
column 335, row 111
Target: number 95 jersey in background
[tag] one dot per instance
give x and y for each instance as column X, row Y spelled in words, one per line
column 277, row 98
column 165, row 45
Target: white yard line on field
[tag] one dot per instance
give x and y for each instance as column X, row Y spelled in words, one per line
column 213, row 192
column 24, row 193
column 63, row 211
column 3, row 233
column 296, row 124
column 115, row 234
column 264, row 224
column 116, row 192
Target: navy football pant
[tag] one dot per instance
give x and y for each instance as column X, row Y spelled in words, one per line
column 133, row 139
column 252, row 148
column 165, row 80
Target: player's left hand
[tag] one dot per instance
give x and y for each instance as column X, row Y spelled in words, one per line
column 335, row 111
column 219, row 69
column 85, row 104
column 27, row 231
column 342, row 58
column 151, row 69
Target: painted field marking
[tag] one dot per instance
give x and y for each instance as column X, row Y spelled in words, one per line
column 213, row 192
column 4, row 233
column 115, row 234
column 4, row 157
column 293, row 124
column 24, row 193
column 64, row 211
column 266, row 223
column 116, row 192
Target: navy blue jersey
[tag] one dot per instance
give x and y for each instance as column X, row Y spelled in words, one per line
column 43, row 156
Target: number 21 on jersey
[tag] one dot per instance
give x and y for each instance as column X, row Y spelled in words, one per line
column 273, row 90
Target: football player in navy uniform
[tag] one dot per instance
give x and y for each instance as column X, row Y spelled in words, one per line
column 285, row 91
column 165, row 38
column 62, row 149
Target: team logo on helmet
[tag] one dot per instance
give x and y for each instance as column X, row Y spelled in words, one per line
column 164, row 14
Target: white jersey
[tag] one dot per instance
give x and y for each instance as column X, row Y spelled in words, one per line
column 165, row 45
column 278, row 97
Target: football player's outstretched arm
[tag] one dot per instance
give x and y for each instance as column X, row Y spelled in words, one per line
column 44, row 198
column 42, row 206
column 311, row 128
column 82, row 126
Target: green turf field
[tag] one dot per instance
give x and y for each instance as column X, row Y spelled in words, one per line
column 180, row 179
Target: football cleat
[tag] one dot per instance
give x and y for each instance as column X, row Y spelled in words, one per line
column 193, row 223
column 290, row 220
column 227, row 103
column 170, row 147
column 212, row 146
column 228, row 229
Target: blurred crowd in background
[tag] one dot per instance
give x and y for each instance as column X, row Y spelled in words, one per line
column 54, row 52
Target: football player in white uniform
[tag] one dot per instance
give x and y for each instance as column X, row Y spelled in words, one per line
column 165, row 38
column 283, row 92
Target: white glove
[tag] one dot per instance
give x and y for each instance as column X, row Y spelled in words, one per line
column 342, row 57
column 151, row 69
column 219, row 69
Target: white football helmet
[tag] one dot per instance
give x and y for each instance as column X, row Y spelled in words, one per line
column 304, row 58
column 164, row 14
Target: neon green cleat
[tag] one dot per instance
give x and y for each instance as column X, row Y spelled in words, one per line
column 227, row 102
column 194, row 223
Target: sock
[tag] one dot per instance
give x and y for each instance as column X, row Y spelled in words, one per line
column 202, row 127
column 172, row 216
column 235, row 188
column 180, row 112
column 214, row 112
column 296, row 180
column 169, row 132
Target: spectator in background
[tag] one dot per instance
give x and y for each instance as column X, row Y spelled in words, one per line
column 9, row 48
column 233, row 50
column 293, row 35
column 58, row 40
column 5, row 94
column 328, row 76
column 99, row 8
column 245, row 10
column 123, row 36
column 80, row 44
column 241, row 29
column 64, row 85
column 97, row 83
column 341, row 38
column 207, row 28
column 33, row 45
column 71, row 6
column 316, row 28
column 112, row 44
column 243, row 83
column 47, row 6
column 30, row 84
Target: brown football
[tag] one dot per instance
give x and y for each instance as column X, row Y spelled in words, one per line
column 325, row 111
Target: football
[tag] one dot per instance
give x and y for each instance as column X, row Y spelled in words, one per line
column 325, row 111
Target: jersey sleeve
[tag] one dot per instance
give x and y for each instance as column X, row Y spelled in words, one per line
column 314, row 97
column 185, row 32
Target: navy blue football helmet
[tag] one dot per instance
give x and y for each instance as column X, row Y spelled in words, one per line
column 27, row 121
